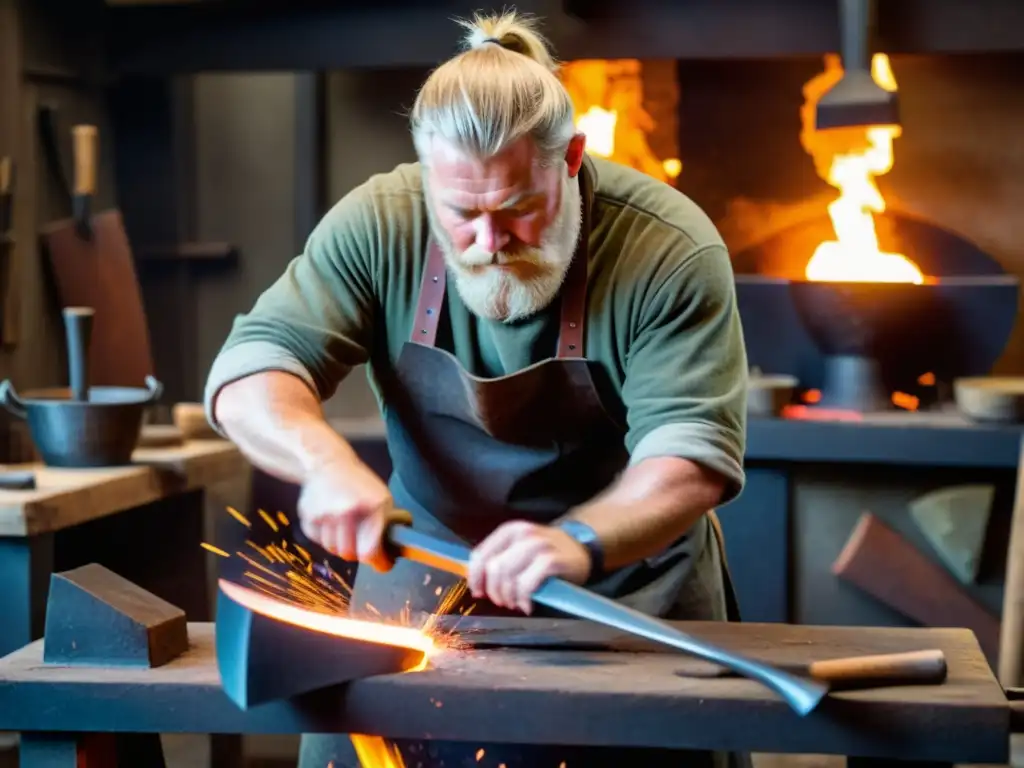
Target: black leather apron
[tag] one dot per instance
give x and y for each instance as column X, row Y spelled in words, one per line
column 470, row 453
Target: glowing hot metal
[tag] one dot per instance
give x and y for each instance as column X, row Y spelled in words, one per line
column 268, row 649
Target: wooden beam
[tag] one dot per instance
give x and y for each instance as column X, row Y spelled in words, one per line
column 879, row 561
column 197, row 36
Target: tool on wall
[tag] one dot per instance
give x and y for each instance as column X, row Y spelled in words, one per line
column 93, row 265
column 857, row 100
column 11, row 295
column 6, row 197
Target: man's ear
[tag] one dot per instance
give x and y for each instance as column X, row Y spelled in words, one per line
column 574, row 154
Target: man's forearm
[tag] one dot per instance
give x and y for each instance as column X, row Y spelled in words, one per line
column 278, row 423
column 651, row 505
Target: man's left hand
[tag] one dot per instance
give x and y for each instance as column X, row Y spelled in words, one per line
column 509, row 565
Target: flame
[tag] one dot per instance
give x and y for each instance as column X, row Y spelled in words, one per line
column 607, row 96
column 599, row 126
column 849, row 159
column 375, row 752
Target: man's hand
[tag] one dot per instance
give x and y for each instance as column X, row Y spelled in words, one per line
column 344, row 507
column 510, row 564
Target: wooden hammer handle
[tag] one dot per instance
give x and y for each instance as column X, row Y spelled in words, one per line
column 6, row 175
column 85, row 154
column 912, row 667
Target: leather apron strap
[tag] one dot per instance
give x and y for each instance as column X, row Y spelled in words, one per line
column 573, row 309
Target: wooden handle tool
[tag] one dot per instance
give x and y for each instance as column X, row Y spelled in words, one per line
column 6, row 197
column 881, row 670
column 912, row 668
column 85, row 152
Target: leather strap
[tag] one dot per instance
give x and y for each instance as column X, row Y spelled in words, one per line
column 428, row 308
column 574, row 304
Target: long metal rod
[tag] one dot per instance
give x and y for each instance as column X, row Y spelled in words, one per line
column 802, row 694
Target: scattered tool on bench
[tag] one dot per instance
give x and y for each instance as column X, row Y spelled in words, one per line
column 927, row 667
column 803, row 694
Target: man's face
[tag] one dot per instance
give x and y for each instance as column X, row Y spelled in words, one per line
column 507, row 226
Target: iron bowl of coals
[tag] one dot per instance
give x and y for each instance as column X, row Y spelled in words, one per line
column 860, row 342
column 864, row 328
column 101, row 430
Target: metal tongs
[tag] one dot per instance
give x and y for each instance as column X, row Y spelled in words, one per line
column 801, row 693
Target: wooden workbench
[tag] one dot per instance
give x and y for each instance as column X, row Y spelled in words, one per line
column 145, row 516
column 539, row 695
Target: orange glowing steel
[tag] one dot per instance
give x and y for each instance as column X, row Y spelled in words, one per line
column 339, row 626
column 849, row 159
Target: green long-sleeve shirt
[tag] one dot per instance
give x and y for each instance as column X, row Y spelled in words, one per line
column 662, row 318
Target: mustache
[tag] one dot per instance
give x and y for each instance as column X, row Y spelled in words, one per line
column 478, row 257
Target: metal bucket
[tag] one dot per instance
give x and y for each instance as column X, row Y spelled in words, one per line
column 100, row 431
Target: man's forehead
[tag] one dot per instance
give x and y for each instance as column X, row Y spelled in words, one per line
column 509, row 174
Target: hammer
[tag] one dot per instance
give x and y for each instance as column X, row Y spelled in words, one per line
column 926, row 667
column 856, row 100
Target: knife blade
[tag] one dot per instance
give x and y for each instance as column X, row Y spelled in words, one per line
column 801, row 693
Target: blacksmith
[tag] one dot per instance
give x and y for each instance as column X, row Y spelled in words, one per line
column 555, row 346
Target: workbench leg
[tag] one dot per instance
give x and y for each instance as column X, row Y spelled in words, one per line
column 226, row 750
column 26, row 564
column 68, row 750
column 140, row 749
column 883, row 762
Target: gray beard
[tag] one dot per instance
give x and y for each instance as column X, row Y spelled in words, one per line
column 501, row 295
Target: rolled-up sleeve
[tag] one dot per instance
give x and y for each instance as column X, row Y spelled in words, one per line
column 685, row 387
column 316, row 320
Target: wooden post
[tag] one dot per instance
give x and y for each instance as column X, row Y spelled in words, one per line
column 1011, row 640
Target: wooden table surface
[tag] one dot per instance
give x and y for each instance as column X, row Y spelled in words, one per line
column 540, row 695
column 68, row 497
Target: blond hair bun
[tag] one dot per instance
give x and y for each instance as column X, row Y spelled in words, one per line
column 511, row 31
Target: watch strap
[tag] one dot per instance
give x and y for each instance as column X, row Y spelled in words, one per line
column 586, row 536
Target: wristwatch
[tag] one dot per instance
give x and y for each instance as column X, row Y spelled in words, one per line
column 586, row 536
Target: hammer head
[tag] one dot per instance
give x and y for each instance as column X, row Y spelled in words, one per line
column 857, row 101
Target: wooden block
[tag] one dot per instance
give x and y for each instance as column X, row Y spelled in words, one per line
column 95, row 617
column 881, row 562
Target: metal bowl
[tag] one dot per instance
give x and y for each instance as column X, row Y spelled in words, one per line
column 994, row 399
column 101, row 431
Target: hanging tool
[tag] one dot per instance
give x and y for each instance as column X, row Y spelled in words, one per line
column 11, row 294
column 802, row 694
column 6, row 198
column 857, row 100
column 92, row 266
